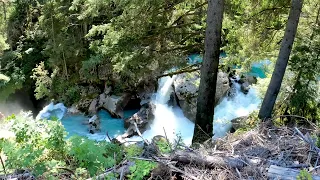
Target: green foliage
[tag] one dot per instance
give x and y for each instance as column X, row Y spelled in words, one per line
column 94, row 156
column 43, row 81
column 304, row 175
column 141, row 169
column 41, row 147
column 38, row 145
column 249, row 123
column 164, row 146
column 133, row 151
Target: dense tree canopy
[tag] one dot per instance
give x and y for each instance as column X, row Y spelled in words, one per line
column 54, row 48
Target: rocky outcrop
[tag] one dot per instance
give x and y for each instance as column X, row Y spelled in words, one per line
column 93, row 107
column 114, row 104
column 83, row 105
column 94, row 124
column 245, row 87
column 90, row 91
column 145, row 90
column 186, row 87
column 73, row 110
column 141, row 118
column 246, row 81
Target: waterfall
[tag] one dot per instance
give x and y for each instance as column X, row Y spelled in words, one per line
column 230, row 108
column 175, row 123
column 167, row 117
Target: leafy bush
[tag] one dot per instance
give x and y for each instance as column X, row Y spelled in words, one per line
column 141, row 169
column 42, row 148
column 38, row 145
column 94, row 156
column 304, row 175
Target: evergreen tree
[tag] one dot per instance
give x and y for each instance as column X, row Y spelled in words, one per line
column 283, row 57
column 209, row 70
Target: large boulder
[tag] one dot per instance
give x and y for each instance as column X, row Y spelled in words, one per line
column 246, row 81
column 145, row 90
column 94, row 124
column 73, row 110
column 93, row 107
column 114, row 104
column 142, row 118
column 186, row 87
column 84, row 104
column 245, row 87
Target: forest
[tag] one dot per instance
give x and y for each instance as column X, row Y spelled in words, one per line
column 144, row 89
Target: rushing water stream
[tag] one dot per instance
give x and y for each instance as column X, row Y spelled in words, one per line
column 175, row 123
column 168, row 119
column 74, row 125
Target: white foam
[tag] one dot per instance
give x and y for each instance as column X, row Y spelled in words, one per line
column 169, row 118
column 174, row 122
column 240, row 105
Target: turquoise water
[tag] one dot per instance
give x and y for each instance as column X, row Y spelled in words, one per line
column 258, row 69
column 74, row 125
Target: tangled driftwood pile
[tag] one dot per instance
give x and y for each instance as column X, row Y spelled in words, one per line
column 262, row 153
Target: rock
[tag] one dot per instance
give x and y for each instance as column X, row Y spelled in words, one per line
column 141, row 118
column 114, row 104
column 83, row 105
column 186, row 87
column 94, row 123
column 251, row 80
column 246, row 81
column 173, row 101
column 73, row 110
column 107, row 90
column 156, row 139
column 145, row 90
column 239, row 122
column 110, row 104
column 90, row 91
column 245, row 87
column 93, row 119
column 189, row 108
column 93, row 107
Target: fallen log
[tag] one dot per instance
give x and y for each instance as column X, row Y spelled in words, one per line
column 277, row 172
column 208, row 161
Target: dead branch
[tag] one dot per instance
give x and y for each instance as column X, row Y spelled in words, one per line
column 139, row 133
column 208, row 161
column 307, row 140
column 278, row 172
column 178, row 72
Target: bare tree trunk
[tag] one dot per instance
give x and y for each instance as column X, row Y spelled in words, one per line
column 282, row 61
column 207, row 90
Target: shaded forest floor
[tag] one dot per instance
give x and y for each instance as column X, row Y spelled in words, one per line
column 261, row 153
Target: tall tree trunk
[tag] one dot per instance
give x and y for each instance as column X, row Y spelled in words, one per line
column 209, row 70
column 282, row 61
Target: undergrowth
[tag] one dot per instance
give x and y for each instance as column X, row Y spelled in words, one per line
column 41, row 147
